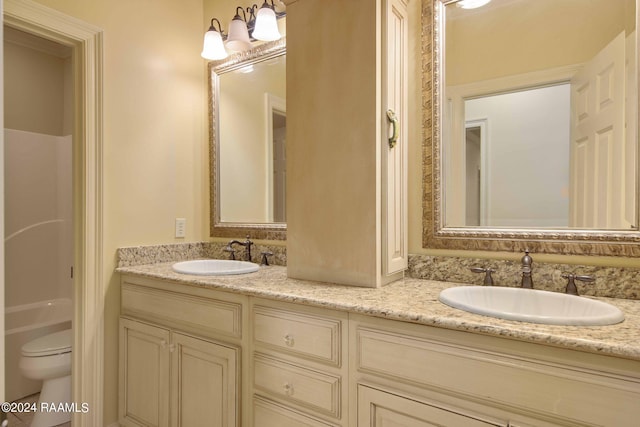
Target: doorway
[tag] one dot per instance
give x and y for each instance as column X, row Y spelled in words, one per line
column 85, row 42
column 38, row 197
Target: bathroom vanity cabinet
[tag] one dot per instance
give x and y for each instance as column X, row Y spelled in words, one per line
column 180, row 355
column 228, row 359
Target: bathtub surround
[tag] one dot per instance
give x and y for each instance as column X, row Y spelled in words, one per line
column 38, row 217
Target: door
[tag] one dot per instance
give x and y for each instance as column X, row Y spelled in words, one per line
column 377, row 408
column 597, row 190
column 144, row 375
column 279, row 167
column 395, row 134
column 204, row 383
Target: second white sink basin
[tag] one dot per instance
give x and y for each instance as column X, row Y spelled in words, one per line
column 214, row 267
column 530, row 305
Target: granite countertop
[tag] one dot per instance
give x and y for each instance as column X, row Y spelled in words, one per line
column 416, row 301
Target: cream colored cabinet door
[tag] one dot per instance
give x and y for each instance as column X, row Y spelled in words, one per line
column 203, row 383
column 171, row 379
column 144, row 375
column 395, row 133
column 377, row 408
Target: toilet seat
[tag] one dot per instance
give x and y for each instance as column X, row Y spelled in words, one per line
column 56, row 343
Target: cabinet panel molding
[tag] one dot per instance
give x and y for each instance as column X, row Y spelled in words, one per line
column 205, row 316
column 204, row 378
column 310, row 389
column 513, row 383
column 144, row 363
column 300, row 334
column 377, row 408
column 269, row 414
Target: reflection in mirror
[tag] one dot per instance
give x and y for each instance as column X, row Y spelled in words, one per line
column 530, row 123
column 248, row 138
column 537, row 131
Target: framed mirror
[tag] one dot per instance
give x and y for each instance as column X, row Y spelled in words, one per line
column 530, row 126
column 247, row 133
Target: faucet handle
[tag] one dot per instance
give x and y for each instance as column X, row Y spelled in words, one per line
column 571, row 288
column 232, row 252
column 488, row 280
column 265, row 254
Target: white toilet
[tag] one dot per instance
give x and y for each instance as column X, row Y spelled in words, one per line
column 48, row 358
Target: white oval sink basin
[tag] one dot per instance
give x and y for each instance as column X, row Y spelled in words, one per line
column 530, row 305
column 214, row 267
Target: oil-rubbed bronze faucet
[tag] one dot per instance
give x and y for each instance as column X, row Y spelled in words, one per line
column 571, row 288
column 247, row 247
column 527, row 261
column 488, row 279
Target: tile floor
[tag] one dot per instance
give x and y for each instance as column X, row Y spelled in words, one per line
column 23, row 419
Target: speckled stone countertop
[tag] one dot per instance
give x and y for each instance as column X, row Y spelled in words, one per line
column 416, row 301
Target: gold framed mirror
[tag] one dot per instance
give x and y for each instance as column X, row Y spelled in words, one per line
column 247, row 128
column 450, row 86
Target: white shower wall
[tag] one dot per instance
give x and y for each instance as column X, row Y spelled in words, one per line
column 38, row 217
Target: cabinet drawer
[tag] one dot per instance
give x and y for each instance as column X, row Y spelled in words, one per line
column 301, row 334
column 207, row 316
column 270, row 414
column 305, row 387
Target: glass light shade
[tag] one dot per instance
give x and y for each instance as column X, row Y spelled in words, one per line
column 238, row 39
column 266, row 28
column 213, row 48
column 472, row 4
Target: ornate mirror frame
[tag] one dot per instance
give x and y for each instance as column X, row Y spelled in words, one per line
column 267, row 231
column 435, row 235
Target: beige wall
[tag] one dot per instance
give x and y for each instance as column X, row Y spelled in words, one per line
column 155, row 143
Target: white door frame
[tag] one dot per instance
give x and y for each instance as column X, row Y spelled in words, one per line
column 273, row 104
column 85, row 41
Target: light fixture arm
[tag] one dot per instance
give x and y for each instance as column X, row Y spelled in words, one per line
column 213, row 28
column 251, row 23
column 244, row 15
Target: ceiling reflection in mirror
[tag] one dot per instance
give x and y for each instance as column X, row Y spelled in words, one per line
column 539, row 115
column 247, row 143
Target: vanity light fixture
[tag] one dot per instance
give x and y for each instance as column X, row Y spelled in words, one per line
column 238, row 39
column 261, row 26
column 472, row 4
column 213, row 48
column 266, row 26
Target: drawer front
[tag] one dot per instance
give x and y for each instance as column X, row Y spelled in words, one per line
column 300, row 334
column 202, row 315
column 307, row 388
column 557, row 390
column 270, row 414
